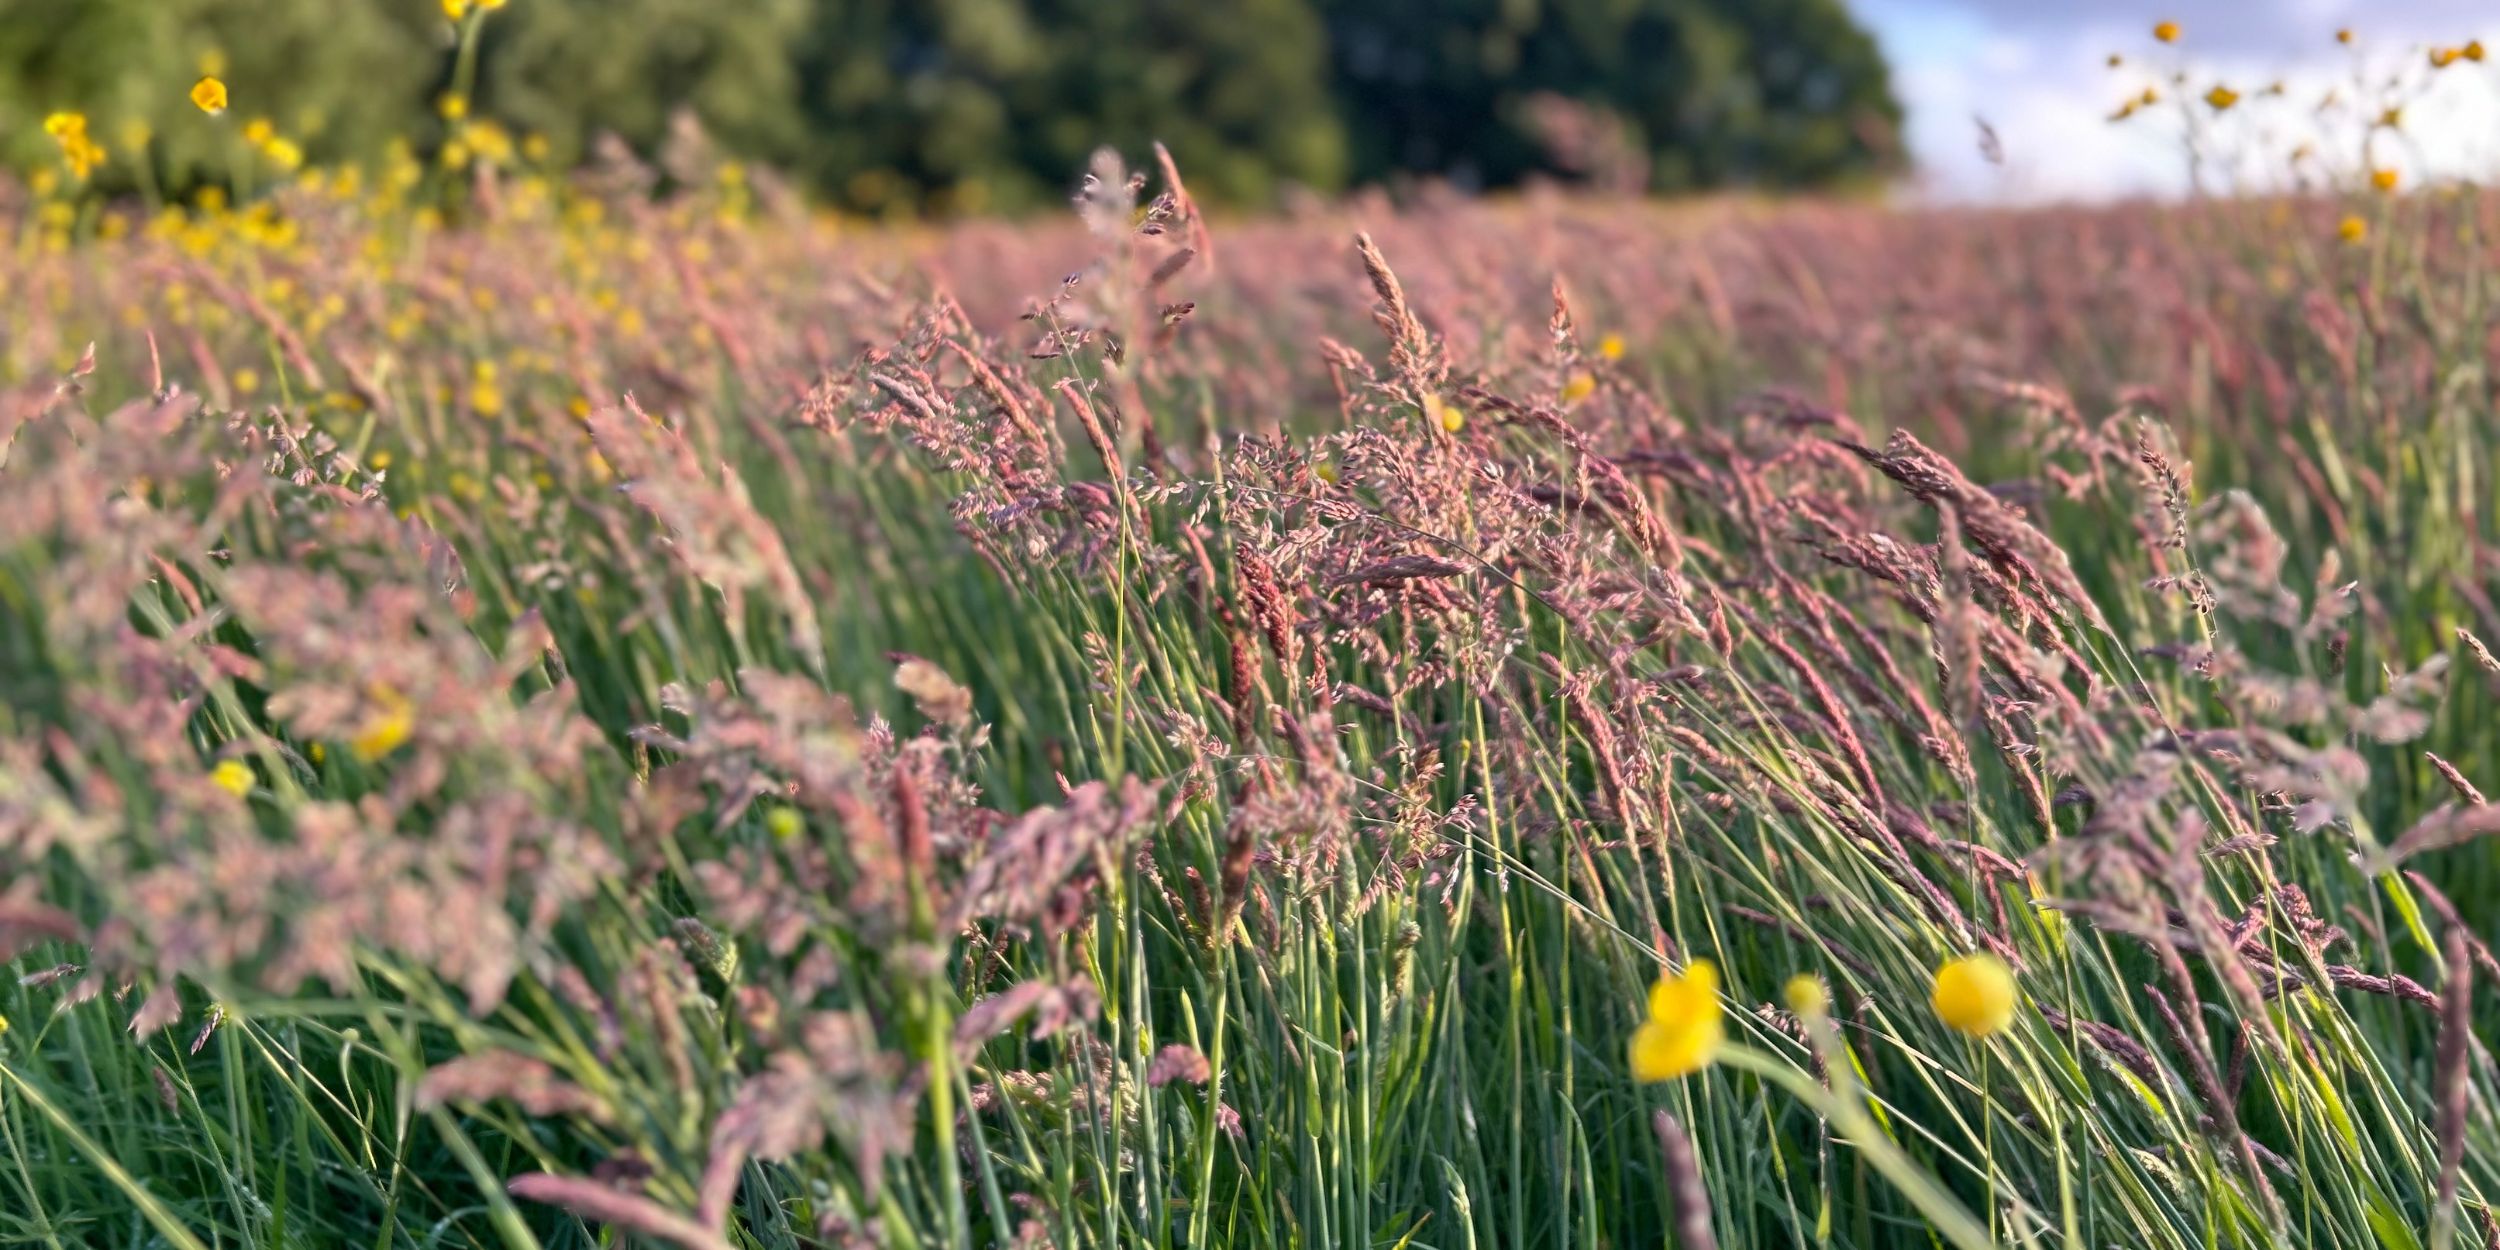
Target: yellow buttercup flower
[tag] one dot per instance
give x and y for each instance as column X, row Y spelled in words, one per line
column 2222, row 98
column 210, row 95
column 1684, row 1028
column 454, row 10
column 1580, row 387
column 2472, row 51
column 1444, row 414
column 783, row 823
column 2383, row 179
column 259, row 131
column 1611, row 347
column 2442, row 58
column 1806, row 995
column 2343, row 34
column 2352, row 229
column 383, row 730
column 2167, row 32
column 1975, row 995
column 233, row 776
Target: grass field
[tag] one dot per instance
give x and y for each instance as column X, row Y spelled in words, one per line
column 607, row 720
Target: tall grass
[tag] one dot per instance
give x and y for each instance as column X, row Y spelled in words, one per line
column 750, row 735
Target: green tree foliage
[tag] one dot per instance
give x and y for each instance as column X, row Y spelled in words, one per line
column 987, row 104
column 343, row 76
column 569, row 69
column 1709, row 92
column 996, row 102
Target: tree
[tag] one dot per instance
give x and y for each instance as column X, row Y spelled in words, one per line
column 1711, row 92
column 570, row 69
column 996, row 103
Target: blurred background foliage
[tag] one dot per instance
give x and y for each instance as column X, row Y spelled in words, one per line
column 982, row 105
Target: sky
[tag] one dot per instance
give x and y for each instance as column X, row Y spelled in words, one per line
column 2038, row 72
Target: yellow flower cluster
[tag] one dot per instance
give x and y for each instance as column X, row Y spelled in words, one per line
column 273, row 147
column 81, row 153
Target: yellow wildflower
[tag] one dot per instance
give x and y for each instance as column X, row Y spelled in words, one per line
column 453, row 106
column 1611, row 347
column 2472, row 51
column 283, row 153
column 1580, row 387
column 2222, row 98
column 1325, row 472
column 1444, row 414
column 454, row 10
column 384, row 729
column 378, row 461
column 1806, row 995
column 2343, row 35
column 2442, row 58
column 2352, row 229
column 233, row 776
column 1684, row 1028
column 210, row 95
column 1975, row 995
column 78, row 151
column 2383, row 179
column 2167, row 32
column 783, row 823
column 259, row 131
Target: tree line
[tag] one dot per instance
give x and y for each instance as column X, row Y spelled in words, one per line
column 970, row 105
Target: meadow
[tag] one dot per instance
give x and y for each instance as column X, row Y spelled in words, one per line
column 616, row 710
